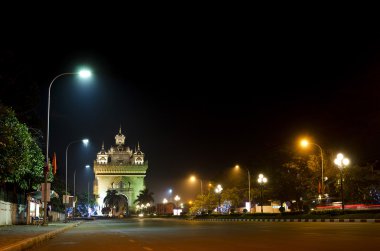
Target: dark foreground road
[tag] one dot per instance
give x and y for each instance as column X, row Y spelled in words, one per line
column 168, row 235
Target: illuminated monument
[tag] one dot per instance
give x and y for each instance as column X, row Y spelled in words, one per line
column 120, row 169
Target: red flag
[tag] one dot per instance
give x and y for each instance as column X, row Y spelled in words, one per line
column 319, row 187
column 54, row 164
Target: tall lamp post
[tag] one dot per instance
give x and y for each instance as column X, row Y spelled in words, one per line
column 341, row 162
column 82, row 74
column 88, row 193
column 193, row 179
column 218, row 190
column 305, row 143
column 176, row 198
column 249, row 186
column 85, row 142
column 164, row 201
column 262, row 180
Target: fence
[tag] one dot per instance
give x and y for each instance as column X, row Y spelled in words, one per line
column 11, row 214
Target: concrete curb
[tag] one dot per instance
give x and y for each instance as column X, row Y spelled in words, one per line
column 295, row 220
column 33, row 241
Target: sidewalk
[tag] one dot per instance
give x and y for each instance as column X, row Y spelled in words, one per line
column 21, row 237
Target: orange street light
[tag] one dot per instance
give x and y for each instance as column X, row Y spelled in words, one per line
column 305, row 143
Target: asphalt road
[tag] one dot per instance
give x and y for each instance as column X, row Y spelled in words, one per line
column 169, row 235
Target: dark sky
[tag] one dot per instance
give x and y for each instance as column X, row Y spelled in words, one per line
column 200, row 101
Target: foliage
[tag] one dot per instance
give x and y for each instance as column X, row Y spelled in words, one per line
column 361, row 184
column 296, row 180
column 144, row 197
column 118, row 203
column 208, row 203
column 21, row 160
column 233, row 195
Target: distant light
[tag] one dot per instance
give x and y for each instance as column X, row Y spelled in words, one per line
column 340, row 156
column 237, row 167
column 85, row 73
column 87, row 166
column 141, row 215
column 85, row 141
column 346, row 162
column 170, row 190
column 304, row 143
column 164, row 201
column 192, row 178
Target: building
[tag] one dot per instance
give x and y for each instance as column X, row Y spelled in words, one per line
column 120, row 169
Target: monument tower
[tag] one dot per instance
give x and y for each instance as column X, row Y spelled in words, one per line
column 119, row 169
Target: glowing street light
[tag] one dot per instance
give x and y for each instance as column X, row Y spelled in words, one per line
column 218, row 190
column 249, row 187
column 83, row 74
column 341, row 162
column 305, row 143
column 193, row 179
column 262, row 180
column 75, row 171
column 177, row 198
column 85, row 142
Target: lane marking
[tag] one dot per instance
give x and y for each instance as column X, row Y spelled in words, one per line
column 149, row 249
column 131, row 241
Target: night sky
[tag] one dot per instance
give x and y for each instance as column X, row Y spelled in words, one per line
column 199, row 102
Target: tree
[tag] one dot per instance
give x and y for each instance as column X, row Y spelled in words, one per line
column 144, row 197
column 233, row 195
column 361, row 184
column 21, row 160
column 296, row 180
column 117, row 203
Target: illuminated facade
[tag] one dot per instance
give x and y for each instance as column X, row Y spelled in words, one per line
column 120, row 169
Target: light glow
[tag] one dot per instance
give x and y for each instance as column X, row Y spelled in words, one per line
column 85, row 73
column 304, row 143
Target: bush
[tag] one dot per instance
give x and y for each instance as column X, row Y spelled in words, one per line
column 282, row 209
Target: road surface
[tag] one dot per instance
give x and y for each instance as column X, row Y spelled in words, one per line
column 169, row 234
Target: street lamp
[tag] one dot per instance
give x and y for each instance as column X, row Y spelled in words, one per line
column 82, row 74
column 176, row 198
column 218, row 190
column 88, row 193
column 193, row 179
column 304, row 143
column 341, row 162
column 164, row 201
column 249, row 187
column 85, row 142
column 262, row 180
column 87, row 166
column 170, row 192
